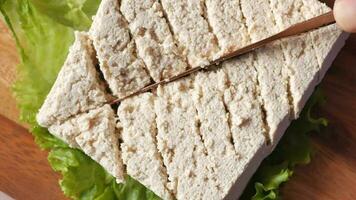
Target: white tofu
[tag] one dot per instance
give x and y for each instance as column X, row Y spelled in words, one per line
column 215, row 129
column 116, row 51
column 180, row 143
column 94, row 133
column 259, row 19
column 228, row 24
column 247, row 120
column 154, row 41
column 327, row 42
column 77, row 87
column 271, row 68
column 325, row 38
column 139, row 147
column 298, row 51
column 190, row 26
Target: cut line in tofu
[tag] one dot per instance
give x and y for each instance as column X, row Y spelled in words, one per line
column 154, row 40
column 228, row 24
column 77, row 88
column 191, row 29
column 139, row 147
column 124, row 71
column 215, row 129
column 248, row 128
column 270, row 64
column 95, row 133
column 259, row 19
column 298, row 51
column 247, row 123
column 180, row 143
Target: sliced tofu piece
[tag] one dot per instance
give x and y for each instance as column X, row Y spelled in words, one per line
column 228, row 24
column 94, row 133
column 180, row 142
column 77, row 88
column 139, row 147
column 154, row 41
column 298, row 51
column 260, row 22
column 273, row 82
column 287, row 12
column 271, row 68
column 327, row 41
column 190, row 26
column 215, row 129
column 116, row 51
column 247, row 120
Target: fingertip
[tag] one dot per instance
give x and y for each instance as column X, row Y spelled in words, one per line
column 345, row 14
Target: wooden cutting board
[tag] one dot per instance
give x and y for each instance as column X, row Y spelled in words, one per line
column 25, row 173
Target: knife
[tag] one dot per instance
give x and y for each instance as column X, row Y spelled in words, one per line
column 296, row 29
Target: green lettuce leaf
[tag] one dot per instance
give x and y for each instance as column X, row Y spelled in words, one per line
column 43, row 30
column 73, row 13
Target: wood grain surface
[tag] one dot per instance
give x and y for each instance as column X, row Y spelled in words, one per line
column 25, row 174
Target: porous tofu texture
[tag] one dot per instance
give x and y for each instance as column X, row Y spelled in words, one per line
column 154, row 40
column 77, row 88
column 95, row 133
column 116, row 51
column 139, row 147
column 191, row 28
column 228, row 24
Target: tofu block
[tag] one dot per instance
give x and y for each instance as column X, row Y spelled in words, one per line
column 180, row 143
column 154, row 40
column 94, row 133
column 77, row 87
column 116, row 51
column 228, row 24
column 247, row 120
column 191, row 29
column 139, row 147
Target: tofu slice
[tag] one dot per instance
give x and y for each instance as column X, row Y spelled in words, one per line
column 154, row 40
column 247, row 120
column 190, row 26
column 77, row 88
column 259, row 19
column 139, row 147
column 228, row 24
column 95, row 133
column 324, row 39
column 304, row 53
column 180, row 143
column 215, row 129
column 298, row 51
column 116, row 51
column 271, row 68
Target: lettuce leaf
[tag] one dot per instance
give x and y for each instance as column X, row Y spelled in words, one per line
column 43, row 31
